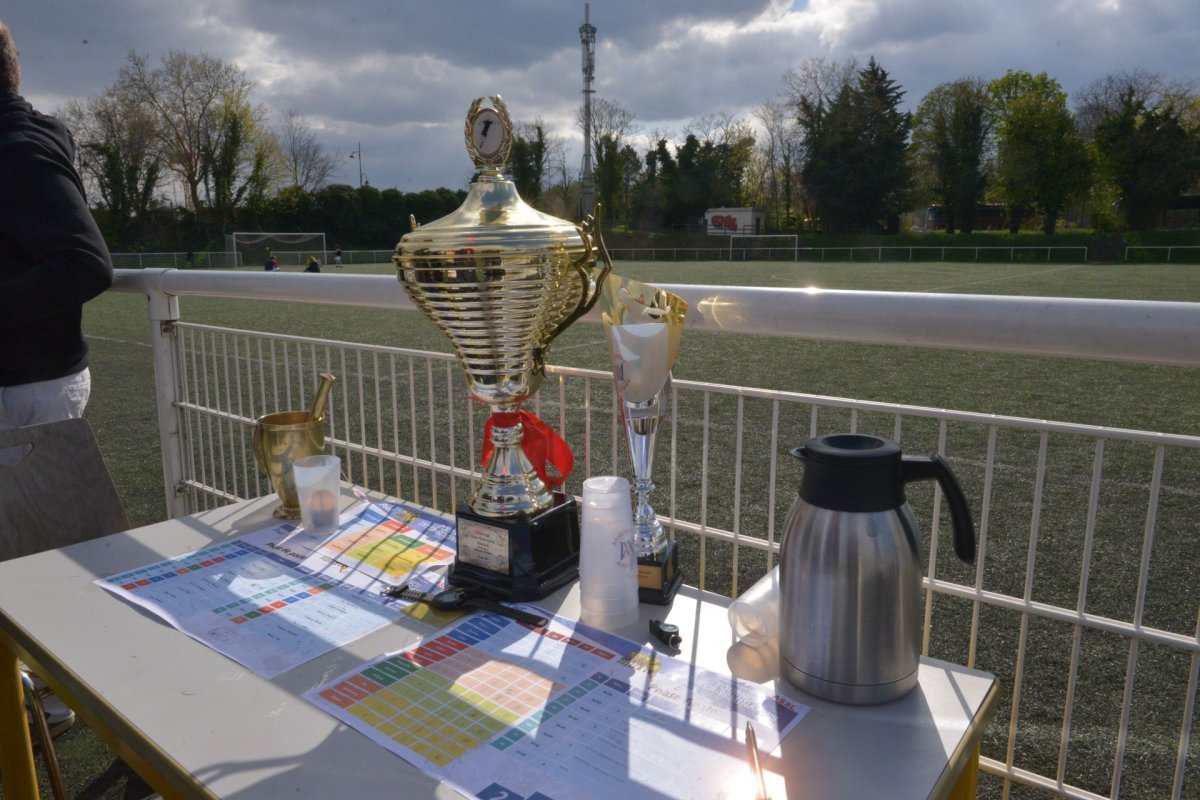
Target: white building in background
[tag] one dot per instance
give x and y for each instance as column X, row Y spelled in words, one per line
column 724, row 221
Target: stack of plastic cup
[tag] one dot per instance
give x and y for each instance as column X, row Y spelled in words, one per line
column 754, row 616
column 608, row 588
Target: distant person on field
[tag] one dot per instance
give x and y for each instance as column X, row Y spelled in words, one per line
column 272, row 265
column 313, row 265
column 53, row 259
column 337, row 256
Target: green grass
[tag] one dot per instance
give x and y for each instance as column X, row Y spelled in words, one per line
column 1132, row 396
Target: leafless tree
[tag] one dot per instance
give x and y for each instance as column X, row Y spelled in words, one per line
column 779, row 155
column 1104, row 96
column 119, row 157
column 609, row 118
column 817, row 80
column 191, row 95
column 561, row 193
column 307, row 163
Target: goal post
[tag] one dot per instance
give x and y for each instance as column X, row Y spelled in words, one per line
column 290, row 247
column 787, row 237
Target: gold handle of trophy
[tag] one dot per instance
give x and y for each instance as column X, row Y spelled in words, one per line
column 593, row 241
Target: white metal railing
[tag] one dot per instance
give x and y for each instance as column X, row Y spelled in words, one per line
column 224, row 259
column 215, row 259
column 748, row 252
column 1135, row 249
column 1061, row 508
column 742, row 252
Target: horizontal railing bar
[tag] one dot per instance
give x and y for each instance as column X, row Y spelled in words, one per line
column 825, row 401
column 1179, row 641
column 1023, row 776
column 331, row 343
column 211, row 490
column 1156, row 332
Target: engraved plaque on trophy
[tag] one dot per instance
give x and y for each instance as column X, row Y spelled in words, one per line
column 501, row 280
column 643, row 327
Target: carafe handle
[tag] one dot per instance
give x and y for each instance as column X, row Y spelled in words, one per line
column 924, row 468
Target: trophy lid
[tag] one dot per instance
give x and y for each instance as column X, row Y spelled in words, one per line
column 493, row 220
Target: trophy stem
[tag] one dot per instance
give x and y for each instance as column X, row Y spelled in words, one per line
column 509, row 486
column 641, row 429
column 647, row 530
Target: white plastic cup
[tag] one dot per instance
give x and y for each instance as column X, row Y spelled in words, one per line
column 754, row 616
column 318, row 487
column 608, row 590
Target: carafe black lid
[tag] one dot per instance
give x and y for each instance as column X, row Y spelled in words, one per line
column 851, row 472
column 861, row 473
column 851, row 449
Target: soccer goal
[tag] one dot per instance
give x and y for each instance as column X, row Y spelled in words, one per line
column 290, row 249
column 754, row 248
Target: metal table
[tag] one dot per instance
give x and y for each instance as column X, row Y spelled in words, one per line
column 197, row 725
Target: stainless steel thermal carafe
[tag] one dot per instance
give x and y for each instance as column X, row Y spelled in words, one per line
column 851, row 567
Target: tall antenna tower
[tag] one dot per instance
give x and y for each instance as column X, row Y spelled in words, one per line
column 587, row 38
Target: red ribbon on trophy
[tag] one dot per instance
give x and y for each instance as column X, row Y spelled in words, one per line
column 541, row 444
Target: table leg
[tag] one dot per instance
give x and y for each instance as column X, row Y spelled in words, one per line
column 16, row 747
column 967, row 786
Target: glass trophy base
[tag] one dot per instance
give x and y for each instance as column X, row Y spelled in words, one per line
column 659, row 577
column 518, row 559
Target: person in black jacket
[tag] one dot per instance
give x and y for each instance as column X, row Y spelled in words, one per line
column 52, row 260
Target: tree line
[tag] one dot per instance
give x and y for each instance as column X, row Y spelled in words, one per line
column 835, row 152
column 190, row 124
column 838, row 153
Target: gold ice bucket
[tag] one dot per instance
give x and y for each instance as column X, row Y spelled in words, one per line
column 278, row 440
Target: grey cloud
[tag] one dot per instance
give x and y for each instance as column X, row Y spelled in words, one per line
column 398, row 75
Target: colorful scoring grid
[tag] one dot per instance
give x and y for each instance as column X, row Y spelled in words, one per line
column 445, row 698
column 164, row 570
column 239, row 611
column 380, row 545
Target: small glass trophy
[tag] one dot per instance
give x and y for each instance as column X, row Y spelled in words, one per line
column 644, row 326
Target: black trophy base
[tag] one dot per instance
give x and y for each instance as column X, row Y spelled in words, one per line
column 659, row 577
column 518, row 559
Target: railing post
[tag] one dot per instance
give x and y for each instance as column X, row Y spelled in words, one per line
column 164, row 313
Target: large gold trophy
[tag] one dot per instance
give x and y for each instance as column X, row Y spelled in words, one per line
column 502, row 280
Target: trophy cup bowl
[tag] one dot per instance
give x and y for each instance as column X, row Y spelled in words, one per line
column 278, row 440
column 501, row 280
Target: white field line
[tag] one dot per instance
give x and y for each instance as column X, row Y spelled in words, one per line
column 1000, row 278
column 116, row 341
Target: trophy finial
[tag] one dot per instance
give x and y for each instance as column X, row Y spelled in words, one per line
column 489, row 134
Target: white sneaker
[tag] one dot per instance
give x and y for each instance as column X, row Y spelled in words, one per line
column 59, row 716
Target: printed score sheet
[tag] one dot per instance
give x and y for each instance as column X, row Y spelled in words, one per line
column 278, row 597
column 500, row 709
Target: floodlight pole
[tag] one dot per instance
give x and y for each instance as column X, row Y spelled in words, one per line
column 357, row 154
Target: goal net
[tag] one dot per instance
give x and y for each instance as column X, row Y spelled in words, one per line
column 764, row 247
column 290, row 249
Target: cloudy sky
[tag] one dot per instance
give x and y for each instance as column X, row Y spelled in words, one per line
column 397, row 76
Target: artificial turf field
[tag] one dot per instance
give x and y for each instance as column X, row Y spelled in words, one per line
column 1119, row 395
